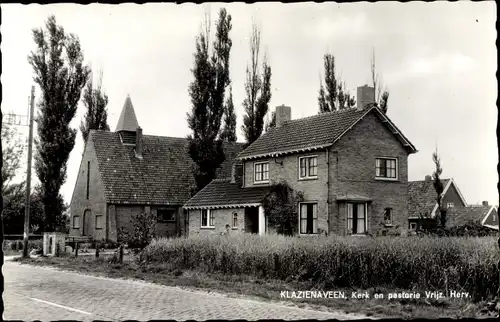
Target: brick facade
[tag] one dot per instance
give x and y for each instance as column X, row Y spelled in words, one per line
column 351, row 171
column 95, row 204
column 222, row 217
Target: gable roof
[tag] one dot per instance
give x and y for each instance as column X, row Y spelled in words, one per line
column 462, row 215
column 422, row 197
column 314, row 132
column 127, row 120
column 163, row 175
column 221, row 193
column 485, row 221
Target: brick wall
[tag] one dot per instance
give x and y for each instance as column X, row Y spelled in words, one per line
column 124, row 214
column 452, row 196
column 315, row 190
column 95, row 203
column 352, row 171
column 222, row 217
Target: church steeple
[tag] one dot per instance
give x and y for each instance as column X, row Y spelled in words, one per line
column 127, row 123
column 127, row 120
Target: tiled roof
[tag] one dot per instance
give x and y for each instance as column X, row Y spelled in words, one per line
column 311, row 132
column 461, row 215
column 223, row 193
column 162, row 176
column 422, row 197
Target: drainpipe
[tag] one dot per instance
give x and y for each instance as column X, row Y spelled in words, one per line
column 327, row 189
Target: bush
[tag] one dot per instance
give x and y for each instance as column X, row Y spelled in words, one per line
column 411, row 263
column 19, row 244
column 144, row 225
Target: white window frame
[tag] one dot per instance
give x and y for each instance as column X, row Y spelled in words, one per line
column 97, row 217
column 255, row 172
column 450, row 205
column 210, row 219
column 233, row 217
column 355, row 204
column 307, row 158
column 387, row 178
column 78, row 222
column 315, row 232
column 413, row 226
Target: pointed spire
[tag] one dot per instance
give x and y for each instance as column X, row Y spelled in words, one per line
column 127, row 120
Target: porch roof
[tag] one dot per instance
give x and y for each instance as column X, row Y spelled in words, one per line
column 222, row 193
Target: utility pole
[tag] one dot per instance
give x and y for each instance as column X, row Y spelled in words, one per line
column 28, row 176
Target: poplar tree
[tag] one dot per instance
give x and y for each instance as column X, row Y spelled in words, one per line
column 229, row 130
column 207, row 91
column 333, row 95
column 61, row 75
column 95, row 101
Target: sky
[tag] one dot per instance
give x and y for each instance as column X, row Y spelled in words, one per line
column 438, row 61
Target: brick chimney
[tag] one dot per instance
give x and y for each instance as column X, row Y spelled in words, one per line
column 138, row 143
column 485, row 203
column 428, row 178
column 283, row 114
column 237, row 173
column 366, row 96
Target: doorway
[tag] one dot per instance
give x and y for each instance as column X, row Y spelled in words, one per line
column 252, row 220
column 86, row 222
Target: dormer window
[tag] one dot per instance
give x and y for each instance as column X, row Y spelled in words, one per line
column 128, row 137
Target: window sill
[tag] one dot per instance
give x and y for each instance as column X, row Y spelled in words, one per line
column 234, row 228
column 387, row 179
column 261, row 182
column 308, row 178
column 388, row 225
column 207, row 227
column 305, row 235
column 359, row 235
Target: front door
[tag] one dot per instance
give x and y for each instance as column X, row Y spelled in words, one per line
column 252, row 220
column 86, row 222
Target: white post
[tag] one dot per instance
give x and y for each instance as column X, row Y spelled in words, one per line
column 262, row 221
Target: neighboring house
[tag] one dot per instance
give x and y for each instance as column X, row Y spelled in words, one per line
column 422, row 199
column 123, row 173
column 490, row 220
column 477, row 214
column 351, row 165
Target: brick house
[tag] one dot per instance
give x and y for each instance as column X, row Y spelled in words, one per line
column 123, row 173
column 422, row 199
column 351, row 165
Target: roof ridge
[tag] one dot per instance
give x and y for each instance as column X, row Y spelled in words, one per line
column 345, row 110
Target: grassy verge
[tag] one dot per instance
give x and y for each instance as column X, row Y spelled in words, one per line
column 262, row 289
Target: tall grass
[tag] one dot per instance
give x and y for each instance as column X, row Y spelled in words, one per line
column 465, row 264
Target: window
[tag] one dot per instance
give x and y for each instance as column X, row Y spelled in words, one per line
column 413, row 225
column 261, row 171
column 388, row 217
column 386, row 168
column 166, row 215
column 98, row 222
column 207, row 218
column 450, row 205
column 235, row 220
column 494, row 218
column 308, row 218
column 76, row 222
column 88, row 179
column 308, row 167
column 356, row 218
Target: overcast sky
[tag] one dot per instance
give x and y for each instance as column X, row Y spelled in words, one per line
column 438, row 61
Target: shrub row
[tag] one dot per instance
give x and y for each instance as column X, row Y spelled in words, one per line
column 412, row 263
column 18, row 244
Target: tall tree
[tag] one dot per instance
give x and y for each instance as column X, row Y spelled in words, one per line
column 271, row 121
column 381, row 93
column 59, row 72
column 95, row 101
column 257, row 90
column 12, row 151
column 207, row 91
column 1, row 179
column 229, row 130
column 333, row 95
column 438, row 186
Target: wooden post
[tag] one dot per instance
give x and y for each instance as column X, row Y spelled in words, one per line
column 121, row 254
column 28, row 176
column 97, row 251
column 76, row 249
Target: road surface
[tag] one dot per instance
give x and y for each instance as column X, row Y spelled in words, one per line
column 40, row 293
